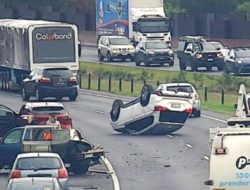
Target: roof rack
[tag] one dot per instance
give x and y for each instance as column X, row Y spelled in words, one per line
column 193, row 38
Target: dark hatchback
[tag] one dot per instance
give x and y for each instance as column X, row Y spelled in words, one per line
column 55, row 82
column 154, row 52
column 238, row 61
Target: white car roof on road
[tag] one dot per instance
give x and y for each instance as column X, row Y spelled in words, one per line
column 37, row 154
column 43, row 104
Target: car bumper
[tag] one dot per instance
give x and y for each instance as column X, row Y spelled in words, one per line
column 243, row 68
column 159, row 59
column 123, row 55
column 53, row 91
column 205, row 63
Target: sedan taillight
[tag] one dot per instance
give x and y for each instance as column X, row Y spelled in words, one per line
column 44, row 80
column 189, row 110
column 15, row 174
column 62, row 173
column 160, row 108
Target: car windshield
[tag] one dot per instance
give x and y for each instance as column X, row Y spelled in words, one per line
column 217, row 45
column 48, row 110
column 188, row 89
column 156, row 45
column 61, row 73
column 208, row 47
column 119, row 41
column 38, row 163
column 243, row 53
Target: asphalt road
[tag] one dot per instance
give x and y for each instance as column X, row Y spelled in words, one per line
column 178, row 161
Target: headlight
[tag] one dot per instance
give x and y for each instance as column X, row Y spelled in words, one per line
column 171, row 52
column 238, row 61
column 198, row 55
column 132, row 49
column 150, row 52
column 219, row 55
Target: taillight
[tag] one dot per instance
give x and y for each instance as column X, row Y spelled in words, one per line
column 220, row 150
column 209, row 182
column 160, row 108
column 62, row 173
column 73, row 80
column 65, row 121
column 44, row 80
column 15, row 174
column 188, row 110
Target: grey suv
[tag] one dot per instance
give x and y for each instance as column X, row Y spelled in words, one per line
column 115, row 47
column 196, row 51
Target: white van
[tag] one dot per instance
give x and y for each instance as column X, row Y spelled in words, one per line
column 230, row 159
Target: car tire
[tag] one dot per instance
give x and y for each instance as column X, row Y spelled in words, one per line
column 197, row 113
column 100, row 57
column 116, row 109
column 25, row 97
column 182, row 65
column 109, row 58
column 38, row 95
column 146, row 92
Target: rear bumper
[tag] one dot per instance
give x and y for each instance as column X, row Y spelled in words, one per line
column 54, row 91
column 123, row 55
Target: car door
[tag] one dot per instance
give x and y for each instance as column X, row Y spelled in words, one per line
column 29, row 82
column 10, row 146
column 8, row 119
column 139, row 51
column 187, row 55
column 230, row 61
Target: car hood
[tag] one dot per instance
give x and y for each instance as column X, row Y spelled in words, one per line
column 244, row 59
column 122, row 46
column 161, row 50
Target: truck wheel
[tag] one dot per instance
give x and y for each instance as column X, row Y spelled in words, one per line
column 73, row 97
column 109, row 57
column 38, row 95
column 100, row 57
column 24, row 95
column 146, row 92
column 197, row 113
column 116, row 109
column 193, row 67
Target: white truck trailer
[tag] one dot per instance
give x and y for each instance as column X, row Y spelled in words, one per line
column 27, row 44
column 138, row 20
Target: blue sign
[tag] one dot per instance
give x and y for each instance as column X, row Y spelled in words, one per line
column 112, row 17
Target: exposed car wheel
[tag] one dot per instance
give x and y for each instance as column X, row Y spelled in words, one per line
column 146, row 92
column 109, row 57
column 38, row 95
column 182, row 65
column 25, row 97
column 116, row 108
column 197, row 113
column 100, row 57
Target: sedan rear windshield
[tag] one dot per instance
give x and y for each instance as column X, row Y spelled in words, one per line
column 60, row 73
column 38, row 163
column 188, row 89
column 48, row 110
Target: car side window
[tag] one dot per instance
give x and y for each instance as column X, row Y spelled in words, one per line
column 4, row 111
column 196, row 47
column 190, row 46
column 13, row 137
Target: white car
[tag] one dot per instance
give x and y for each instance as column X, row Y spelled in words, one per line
column 42, row 164
column 194, row 97
column 115, row 47
column 152, row 113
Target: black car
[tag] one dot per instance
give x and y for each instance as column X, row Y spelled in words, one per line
column 153, row 52
column 238, row 61
column 196, row 51
column 56, row 82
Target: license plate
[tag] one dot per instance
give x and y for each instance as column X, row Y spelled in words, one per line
column 124, row 54
column 210, row 59
column 175, row 105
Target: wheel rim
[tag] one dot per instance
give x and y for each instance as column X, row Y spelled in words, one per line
column 115, row 109
column 145, row 93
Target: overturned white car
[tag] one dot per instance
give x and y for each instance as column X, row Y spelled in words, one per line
column 154, row 112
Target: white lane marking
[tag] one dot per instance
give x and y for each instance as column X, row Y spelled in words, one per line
column 213, row 118
column 189, row 145
column 100, row 111
column 170, row 136
column 206, row 157
column 115, row 179
column 73, row 106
